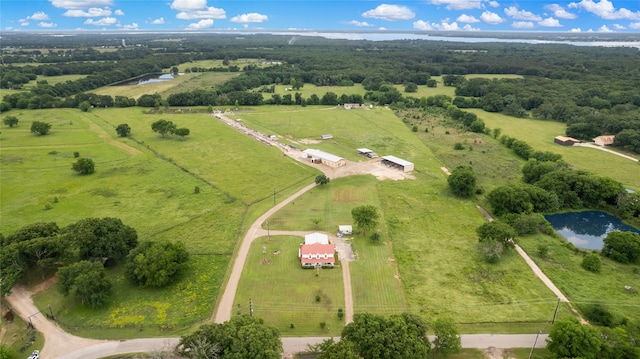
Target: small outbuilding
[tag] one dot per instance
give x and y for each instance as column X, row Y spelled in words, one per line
column 316, row 238
column 349, row 106
column 327, row 136
column 345, row 229
column 398, row 163
column 327, row 159
column 604, row 140
column 367, row 152
column 565, row 141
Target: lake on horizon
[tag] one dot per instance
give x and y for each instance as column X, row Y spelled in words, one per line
column 587, row 229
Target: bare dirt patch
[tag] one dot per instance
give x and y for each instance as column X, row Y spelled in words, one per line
column 308, row 141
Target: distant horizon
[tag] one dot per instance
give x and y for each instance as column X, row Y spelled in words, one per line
column 469, row 16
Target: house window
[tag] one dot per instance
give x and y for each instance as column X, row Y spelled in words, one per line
column 317, row 256
column 326, row 256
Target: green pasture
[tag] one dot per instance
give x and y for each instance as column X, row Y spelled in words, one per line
column 441, row 266
column 219, row 63
column 540, row 134
column 283, row 293
column 584, row 288
column 237, row 164
column 52, row 80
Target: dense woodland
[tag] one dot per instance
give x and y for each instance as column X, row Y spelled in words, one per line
column 594, row 90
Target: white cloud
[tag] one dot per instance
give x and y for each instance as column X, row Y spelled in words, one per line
column 445, row 26
column 604, row 28
column 468, row 27
column 23, row 22
column 422, row 25
column 577, row 29
column 491, row 18
column 159, row 21
column 359, row 23
column 105, row 21
column 550, row 22
column 38, row 15
column 467, row 19
column 208, row 13
column 619, row 27
column 188, row 5
column 635, row 25
column 390, row 13
column 494, row 4
column 605, row 10
column 47, row 25
column 81, row 4
column 459, row 4
column 514, row 13
column 132, row 26
column 202, row 24
column 522, row 25
column 249, row 18
column 92, row 12
column 119, row 12
column 560, row 12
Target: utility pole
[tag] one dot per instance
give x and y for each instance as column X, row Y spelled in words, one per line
column 556, row 312
column 534, row 343
column 250, row 307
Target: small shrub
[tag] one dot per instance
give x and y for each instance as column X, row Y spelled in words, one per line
column 318, row 298
column 375, row 236
column 426, row 130
column 340, row 313
column 323, row 325
column 47, row 206
column 196, row 190
column 414, row 128
column 55, row 199
column 458, row 146
column 76, row 154
column 598, row 314
column 446, row 132
column 54, row 152
column 543, row 250
column 479, row 190
column 292, row 326
column 592, row 262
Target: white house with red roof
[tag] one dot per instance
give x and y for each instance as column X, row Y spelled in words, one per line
column 317, row 251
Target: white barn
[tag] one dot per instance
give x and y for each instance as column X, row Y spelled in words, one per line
column 316, row 238
column 394, row 161
column 326, row 159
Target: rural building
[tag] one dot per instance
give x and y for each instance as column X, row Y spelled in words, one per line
column 327, row 159
column 316, row 238
column 346, row 229
column 349, row 106
column 565, row 141
column 399, row 163
column 604, row 140
column 328, row 136
column 367, row 152
column 316, row 251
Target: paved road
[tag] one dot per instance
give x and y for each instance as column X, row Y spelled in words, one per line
column 601, row 148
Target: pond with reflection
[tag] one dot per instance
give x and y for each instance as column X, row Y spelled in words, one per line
column 587, row 229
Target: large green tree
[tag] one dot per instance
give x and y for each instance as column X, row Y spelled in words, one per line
column 123, row 130
column 102, row 238
column 84, row 166
column 87, row 281
column 447, row 338
column 163, row 127
column 40, row 128
column 156, row 264
column 623, row 247
column 241, row 337
column 497, row 231
column 365, row 217
column 462, row 181
column 398, row 336
column 10, row 121
column 570, row 339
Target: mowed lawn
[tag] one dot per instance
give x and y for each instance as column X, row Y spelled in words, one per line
column 540, row 134
column 284, row 295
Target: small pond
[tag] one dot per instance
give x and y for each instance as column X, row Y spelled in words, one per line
column 161, row 78
column 587, row 229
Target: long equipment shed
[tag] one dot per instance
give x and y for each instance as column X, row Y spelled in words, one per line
column 394, row 161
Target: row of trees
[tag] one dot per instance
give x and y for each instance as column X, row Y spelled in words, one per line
column 82, row 250
column 368, row 336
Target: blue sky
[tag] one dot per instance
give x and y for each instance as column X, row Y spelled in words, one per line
column 427, row 15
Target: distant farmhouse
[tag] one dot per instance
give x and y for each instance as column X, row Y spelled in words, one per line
column 349, row 106
column 604, row 140
column 327, row 159
column 316, row 251
column 398, row 163
column 326, row 137
column 565, row 141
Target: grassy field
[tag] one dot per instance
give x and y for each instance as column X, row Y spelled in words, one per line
column 539, row 134
column 17, row 336
column 282, row 293
column 584, row 288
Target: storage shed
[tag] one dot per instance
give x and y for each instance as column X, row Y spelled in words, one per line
column 367, row 152
column 565, row 141
column 326, row 159
column 399, row 163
